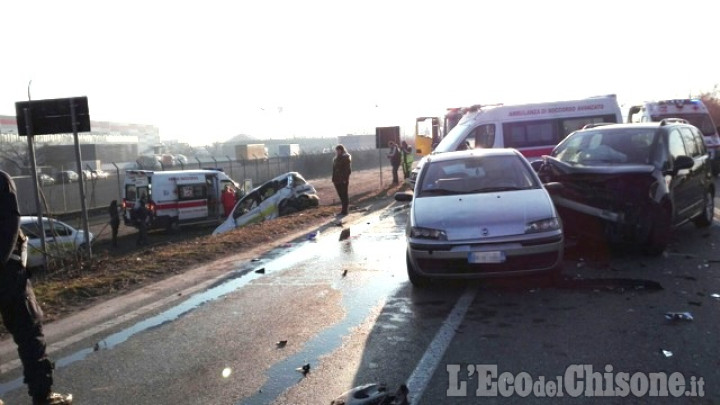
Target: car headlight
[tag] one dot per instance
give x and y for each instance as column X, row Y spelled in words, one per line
column 543, row 225
column 427, row 233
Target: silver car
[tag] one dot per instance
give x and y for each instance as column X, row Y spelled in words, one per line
column 481, row 213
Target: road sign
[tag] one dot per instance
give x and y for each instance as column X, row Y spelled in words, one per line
column 53, row 116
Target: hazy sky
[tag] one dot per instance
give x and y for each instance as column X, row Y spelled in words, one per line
column 205, row 71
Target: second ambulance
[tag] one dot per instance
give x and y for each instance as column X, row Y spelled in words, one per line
column 691, row 110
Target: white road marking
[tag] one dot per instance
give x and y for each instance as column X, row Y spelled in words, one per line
column 425, row 368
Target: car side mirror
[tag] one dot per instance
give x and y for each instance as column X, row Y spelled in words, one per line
column 553, row 186
column 683, row 162
column 403, row 196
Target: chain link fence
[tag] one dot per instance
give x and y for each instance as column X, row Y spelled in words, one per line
column 62, row 199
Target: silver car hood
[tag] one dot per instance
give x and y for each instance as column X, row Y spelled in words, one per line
column 485, row 215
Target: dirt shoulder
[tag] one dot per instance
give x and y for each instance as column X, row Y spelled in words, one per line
column 117, row 271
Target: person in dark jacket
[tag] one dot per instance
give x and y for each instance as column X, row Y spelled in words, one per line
column 20, row 310
column 395, row 160
column 141, row 215
column 342, row 167
column 114, row 221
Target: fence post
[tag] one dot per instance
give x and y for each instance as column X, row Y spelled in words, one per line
column 199, row 163
column 231, row 169
column 117, row 170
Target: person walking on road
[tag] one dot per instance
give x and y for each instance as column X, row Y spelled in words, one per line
column 19, row 308
column 114, row 221
column 342, row 167
column 407, row 158
column 394, row 157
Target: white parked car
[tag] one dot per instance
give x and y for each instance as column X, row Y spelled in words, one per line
column 283, row 195
column 61, row 239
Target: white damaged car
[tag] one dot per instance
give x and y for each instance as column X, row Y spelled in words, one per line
column 283, row 195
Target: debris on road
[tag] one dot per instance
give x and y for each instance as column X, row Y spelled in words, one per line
column 304, row 369
column 313, row 235
column 666, row 353
column 716, row 296
column 281, row 344
column 261, row 270
column 373, row 394
column 344, row 234
column 257, row 259
column 695, row 303
column 344, row 273
column 678, row 316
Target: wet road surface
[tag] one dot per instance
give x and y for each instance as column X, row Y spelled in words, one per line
column 347, row 309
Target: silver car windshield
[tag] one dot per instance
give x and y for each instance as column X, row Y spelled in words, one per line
column 476, row 175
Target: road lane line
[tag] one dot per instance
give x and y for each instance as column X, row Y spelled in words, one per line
column 425, row 368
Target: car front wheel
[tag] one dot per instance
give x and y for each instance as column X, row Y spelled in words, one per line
column 659, row 235
column 416, row 279
column 705, row 219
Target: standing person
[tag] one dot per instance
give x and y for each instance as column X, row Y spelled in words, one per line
column 342, row 167
column 228, row 200
column 114, row 221
column 407, row 158
column 394, row 157
column 20, row 311
column 141, row 218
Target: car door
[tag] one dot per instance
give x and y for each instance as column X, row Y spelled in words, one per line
column 681, row 188
column 35, row 253
column 697, row 174
column 62, row 236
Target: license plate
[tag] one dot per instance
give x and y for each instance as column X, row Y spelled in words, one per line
column 486, row 257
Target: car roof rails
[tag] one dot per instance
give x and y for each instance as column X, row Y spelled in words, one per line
column 667, row 121
column 597, row 124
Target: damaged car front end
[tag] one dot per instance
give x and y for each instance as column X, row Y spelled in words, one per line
column 616, row 204
column 631, row 184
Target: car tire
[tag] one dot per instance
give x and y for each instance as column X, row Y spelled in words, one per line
column 705, row 219
column 659, row 235
column 416, row 279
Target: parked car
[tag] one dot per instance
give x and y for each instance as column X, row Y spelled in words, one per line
column 480, row 213
column 632, row 182
column 61, row 239
column 67, row 176
column 99, row 174
column 45, row 180
column 283, row 195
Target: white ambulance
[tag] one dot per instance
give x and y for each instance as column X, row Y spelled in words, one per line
column 532, row 129
column 176, row 198
column 691, row 110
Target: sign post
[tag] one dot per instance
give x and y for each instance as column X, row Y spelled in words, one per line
column 56, row 116
column 36, row 186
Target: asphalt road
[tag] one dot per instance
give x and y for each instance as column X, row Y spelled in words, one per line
column 216, row 343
